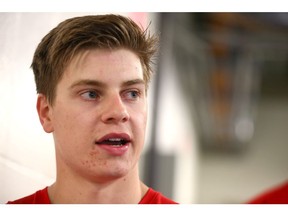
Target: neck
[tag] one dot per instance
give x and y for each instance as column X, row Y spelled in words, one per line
column 127, row 189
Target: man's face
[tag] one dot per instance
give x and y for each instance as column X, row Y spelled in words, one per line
column 98, row 118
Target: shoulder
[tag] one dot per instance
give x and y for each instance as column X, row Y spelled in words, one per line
column 275, row 195
column 39, row 197
column 155, row 197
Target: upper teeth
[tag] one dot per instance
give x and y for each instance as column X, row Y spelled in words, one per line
column 115, row 139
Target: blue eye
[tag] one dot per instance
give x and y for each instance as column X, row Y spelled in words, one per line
column 90, row 95
column 132, row 95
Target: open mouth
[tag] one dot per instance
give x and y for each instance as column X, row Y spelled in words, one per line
column 116, row 144
column 113, row 142
column 114, row 139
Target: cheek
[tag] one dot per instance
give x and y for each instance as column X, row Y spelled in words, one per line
column 71, row 127
column 140, row 121
column 68, row 117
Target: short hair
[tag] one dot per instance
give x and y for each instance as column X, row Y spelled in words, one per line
column 110, row 31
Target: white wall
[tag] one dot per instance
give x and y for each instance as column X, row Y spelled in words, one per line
column 26, row 153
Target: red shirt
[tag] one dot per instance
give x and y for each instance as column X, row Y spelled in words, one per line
column 276, row 195
column 41, row 197
column 154, row 197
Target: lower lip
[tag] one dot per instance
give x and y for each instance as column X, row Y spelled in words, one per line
column 115, row 150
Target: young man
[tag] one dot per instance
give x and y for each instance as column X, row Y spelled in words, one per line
column 92, row 75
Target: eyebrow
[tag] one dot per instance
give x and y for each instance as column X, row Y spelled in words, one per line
column 133, row 82
column 89, row 82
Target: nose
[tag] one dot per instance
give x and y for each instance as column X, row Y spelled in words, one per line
column 115, row 111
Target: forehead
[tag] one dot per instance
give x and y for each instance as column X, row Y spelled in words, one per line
column 116, row 57
column 104, row 63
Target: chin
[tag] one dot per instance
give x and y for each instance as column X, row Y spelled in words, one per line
column 110, row 173
column 119, row 171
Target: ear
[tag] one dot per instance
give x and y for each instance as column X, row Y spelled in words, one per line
column 44, row 113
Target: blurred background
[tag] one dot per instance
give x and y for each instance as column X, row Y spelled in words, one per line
column 218, row 117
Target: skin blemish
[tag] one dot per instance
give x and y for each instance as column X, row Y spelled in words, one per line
column 93, row 153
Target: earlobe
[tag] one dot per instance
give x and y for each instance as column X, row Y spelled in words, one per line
column 44, row 113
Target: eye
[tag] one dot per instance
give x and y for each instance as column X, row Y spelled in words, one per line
column 132, row 94
column 90, row 95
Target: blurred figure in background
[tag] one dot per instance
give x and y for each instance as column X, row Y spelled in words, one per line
column 276, row 195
